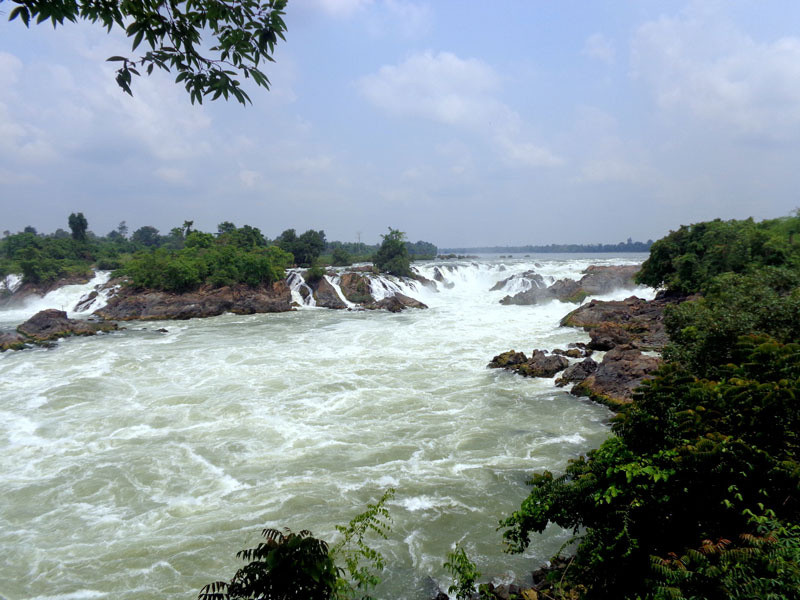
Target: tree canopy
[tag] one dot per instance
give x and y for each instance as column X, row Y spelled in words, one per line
column 243, row 34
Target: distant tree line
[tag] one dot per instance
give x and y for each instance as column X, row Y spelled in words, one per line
column 186, row 258
column 628, row 246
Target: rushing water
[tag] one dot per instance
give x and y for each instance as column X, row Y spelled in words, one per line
column 135, row 465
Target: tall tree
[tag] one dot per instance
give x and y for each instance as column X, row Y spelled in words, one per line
column 243, row 34
column 78, row 225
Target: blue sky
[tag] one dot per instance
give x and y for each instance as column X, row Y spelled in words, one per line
column 461, row 123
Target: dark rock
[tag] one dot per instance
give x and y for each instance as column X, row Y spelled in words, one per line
column 508, row 359
column 11, row 341
column 621, row 371
column 538, row 365
column 571, row 353
column 542, row 365
column 608, row 335
column 641, row 320
column 355, row 288
column 162, row 330
column 396, row 303
column 86, row 302
column 51, row 324
column 130, row 303
column 577, row 372
column 604, row 279
column 325, row 294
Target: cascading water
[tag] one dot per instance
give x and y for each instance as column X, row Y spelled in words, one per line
column 136, row 464
column 69, row 298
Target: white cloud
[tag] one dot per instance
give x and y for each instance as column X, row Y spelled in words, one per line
column 409, row 19
column 343, row 8
column 458, row 92
column 599, row 47
column 698, row 64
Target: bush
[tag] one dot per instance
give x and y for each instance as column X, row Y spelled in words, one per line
column 392, row 257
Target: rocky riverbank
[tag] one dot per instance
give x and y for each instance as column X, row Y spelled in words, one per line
column 631, row 333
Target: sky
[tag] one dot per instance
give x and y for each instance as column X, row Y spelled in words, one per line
column 462, row 123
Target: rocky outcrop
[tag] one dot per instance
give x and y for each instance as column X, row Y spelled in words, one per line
column 48, row 325
column 355, row 288
column 130, row 303
column 396, row 303
column 596, row 280
column 630, row 321
column 540, row 364
column 621, row 371
column 325, row 294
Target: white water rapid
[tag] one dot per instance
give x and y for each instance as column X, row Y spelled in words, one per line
column 135, row 465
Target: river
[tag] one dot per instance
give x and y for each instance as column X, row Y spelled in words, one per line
column 136, row 464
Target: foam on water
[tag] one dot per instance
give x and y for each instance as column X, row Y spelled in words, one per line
column 136, row 465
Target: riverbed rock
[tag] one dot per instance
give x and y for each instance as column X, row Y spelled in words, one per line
column 621, row 371
column 395, row 303
column 540, row 364
column 536, row 281
column 577, row 372
column 131, row 303
column 325, row 294
column 596, row 280
column 355, row 288
column 629, row 321
column 52, row 324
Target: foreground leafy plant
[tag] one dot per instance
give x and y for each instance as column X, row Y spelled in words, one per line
column 295, row 566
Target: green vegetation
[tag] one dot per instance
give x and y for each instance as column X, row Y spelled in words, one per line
column 392, row 257
column 243, row 34
column 289, row 566
column 696, row 493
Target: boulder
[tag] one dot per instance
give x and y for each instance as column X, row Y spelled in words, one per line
column 355, row 288
column 577, row 372
column 571, row 353
column 325, row 294
column 621, row 371
column 538, row 365
column 130, row 303
column 52, row 324
column 396, row 303
column 507, row 359
column 604, row 279
column 541, row 364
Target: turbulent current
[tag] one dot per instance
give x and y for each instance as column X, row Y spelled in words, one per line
column 135, row 465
